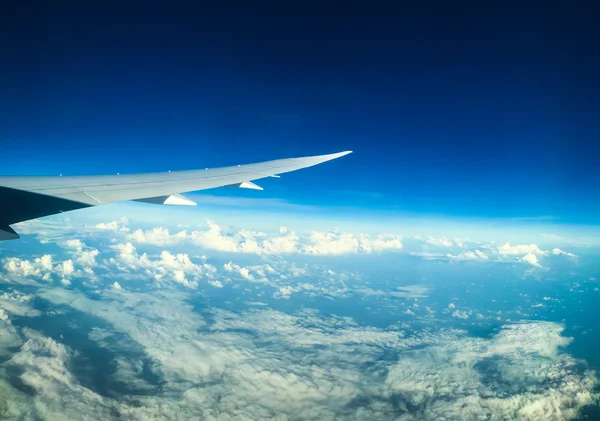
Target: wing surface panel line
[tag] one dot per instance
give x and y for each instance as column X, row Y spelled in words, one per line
column 87, row 194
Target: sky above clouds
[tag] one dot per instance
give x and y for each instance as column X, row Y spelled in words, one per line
column 455, row 109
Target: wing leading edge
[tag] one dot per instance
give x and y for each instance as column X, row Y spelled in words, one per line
column 30, row 197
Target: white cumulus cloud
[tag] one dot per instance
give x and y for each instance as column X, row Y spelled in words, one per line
column 559, row 252
column 508, row 249
column 441, row 241
column 532, row 259
column 285, row 241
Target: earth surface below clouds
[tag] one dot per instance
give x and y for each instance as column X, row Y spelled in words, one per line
column 110, row 319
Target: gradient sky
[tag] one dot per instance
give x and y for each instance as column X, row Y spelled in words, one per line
column 452, row 109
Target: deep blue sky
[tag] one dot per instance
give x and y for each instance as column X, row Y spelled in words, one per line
column 451, row 108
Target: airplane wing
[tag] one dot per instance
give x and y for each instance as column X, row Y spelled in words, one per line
column 30, row 197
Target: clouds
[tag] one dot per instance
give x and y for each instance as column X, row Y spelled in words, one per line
column 532, row 259
column 167, row 267
column 46, row 269
column 44, row 367
column 235, row 242
column 283, row 241
column 12, row 304
column 87, row 258
column 120, row 225
column 218, row 238
column 464, row 250
column 262, row 363
column 331, row 243
column 408, row 291
column 83, row 255
column 242, row 271
column 288, row 278
column 40, row 267
column 217, row 363
column 460, row 314
column 468, row 378
column 286, row 243
column 182, row 318
column 159, row 256
column 125, row 264
column 411, row 291
column 17, row 304
column 559, row 252
column 65, row 269
column 469, row 255
column 158, row 236
column 440, row 242
column 73, row 244
column 530, row 253
column 508, row 249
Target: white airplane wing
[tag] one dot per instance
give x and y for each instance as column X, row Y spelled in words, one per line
column 30, row 197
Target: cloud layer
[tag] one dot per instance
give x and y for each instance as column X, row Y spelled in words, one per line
column 165, row 310
column 218, row 238
column 266, row 364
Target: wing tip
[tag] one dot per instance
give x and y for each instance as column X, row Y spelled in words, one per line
column 338, row 154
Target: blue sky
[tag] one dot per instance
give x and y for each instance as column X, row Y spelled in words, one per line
column 454, row 110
